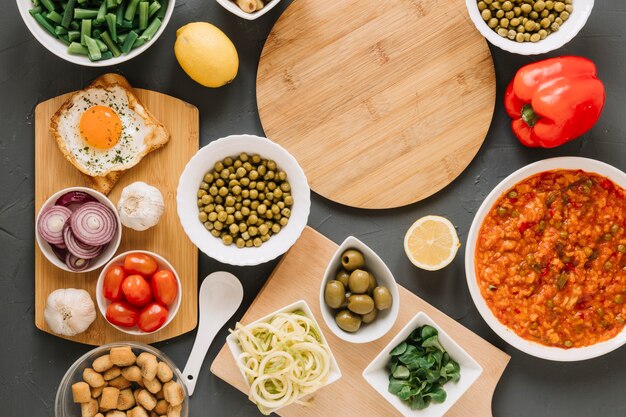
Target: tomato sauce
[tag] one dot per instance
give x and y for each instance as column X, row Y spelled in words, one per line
column 551, row 259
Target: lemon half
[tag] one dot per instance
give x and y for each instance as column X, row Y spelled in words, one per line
column 431, row 243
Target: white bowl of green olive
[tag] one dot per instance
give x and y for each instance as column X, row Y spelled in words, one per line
column 243, row 200
column 359, row 297
column 529, row 27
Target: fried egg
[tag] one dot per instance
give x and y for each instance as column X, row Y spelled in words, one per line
column 104, row 129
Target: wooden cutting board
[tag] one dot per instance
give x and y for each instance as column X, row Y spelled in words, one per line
column 383, row 103
column 298, row 276
column 160, row 169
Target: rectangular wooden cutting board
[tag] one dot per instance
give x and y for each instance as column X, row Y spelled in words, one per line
column 160, row 169
column 298, row 276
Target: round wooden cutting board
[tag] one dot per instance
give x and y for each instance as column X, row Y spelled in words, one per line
column 383, row 103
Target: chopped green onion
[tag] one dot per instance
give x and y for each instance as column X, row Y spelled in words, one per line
column 46, row 25
column 85, row 30
column 129, row 41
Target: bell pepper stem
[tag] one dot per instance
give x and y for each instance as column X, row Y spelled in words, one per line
column 529, row 116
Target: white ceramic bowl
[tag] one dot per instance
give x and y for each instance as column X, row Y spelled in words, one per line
column 301, row 305
column 203, row 161
column 99, row 260
column 103, row 303
column 232, row 7
column 60, row 49
column 377, row 374
column 531, row 348
column 386, row 318
column 569, row 29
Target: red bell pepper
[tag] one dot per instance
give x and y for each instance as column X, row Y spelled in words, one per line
column 554, row 101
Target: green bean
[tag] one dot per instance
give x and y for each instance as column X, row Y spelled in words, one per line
column 54, row 17
column 111, row 3
column 143, row 15
column 101, row 45
column 74, row 25
column 154, row 7
column 106, row 38
column 101, row 12
column 139, row 42
column 64, row 39
column 106, row 55
column 119, row 14
column 85, row 30
column 130, row 10
column 60, row 30
column 151, row 30
column 85, row 13
column 111, row 24
column 127, row 24
column 129, row 41
column 48, row 4
column 46, row 25
column 73, row 35
column 122, row 37
column 161, row 13
column 68, row 13
column 76, row 48
column 92, row 48
column 35, row 10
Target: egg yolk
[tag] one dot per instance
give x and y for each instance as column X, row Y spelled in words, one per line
column 100, row 127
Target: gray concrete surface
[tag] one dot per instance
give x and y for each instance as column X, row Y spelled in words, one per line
column 33, row 362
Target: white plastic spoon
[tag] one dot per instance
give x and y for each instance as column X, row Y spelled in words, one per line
column 221, row 294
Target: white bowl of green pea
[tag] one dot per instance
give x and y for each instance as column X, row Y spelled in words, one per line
column 529, row 27
column 269, row 200
column 96, row 33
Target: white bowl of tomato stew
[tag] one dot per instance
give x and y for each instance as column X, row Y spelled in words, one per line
column 546, row 259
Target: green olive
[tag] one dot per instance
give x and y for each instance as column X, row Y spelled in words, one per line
column 343, row 276
column 369, row 317
column 373, row 283
column 348, row 321
column 382, row 298
column 360, row 303
column 352, row 259
column 334, row 294
column 359, row 281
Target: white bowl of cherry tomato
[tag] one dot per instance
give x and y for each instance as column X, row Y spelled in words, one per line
column 138, row 292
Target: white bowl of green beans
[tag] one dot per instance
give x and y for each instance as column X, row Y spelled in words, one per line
column 96, row 33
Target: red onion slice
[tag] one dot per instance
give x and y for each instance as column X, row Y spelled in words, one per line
column 76, row 264
column 93, row 224
column 51, row 222
column 77, row 248
column 59, row 252
column 74, row 199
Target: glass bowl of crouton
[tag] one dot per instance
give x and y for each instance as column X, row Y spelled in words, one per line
column 124, row 379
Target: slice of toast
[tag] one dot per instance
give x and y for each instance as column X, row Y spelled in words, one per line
column 159, row 136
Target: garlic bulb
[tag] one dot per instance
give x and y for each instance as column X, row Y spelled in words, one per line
column 69, row 311
column 140, row 206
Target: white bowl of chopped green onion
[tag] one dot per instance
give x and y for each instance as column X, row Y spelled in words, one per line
column 96, row 33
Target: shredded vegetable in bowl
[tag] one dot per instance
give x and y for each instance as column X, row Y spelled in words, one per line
column 283, row 359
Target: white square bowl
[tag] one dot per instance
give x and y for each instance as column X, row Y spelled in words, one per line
column 377, row 375
column 301, row 305
column 232, row 7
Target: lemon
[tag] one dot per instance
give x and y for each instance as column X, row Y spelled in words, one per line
column 206, row 54
column 431, row 243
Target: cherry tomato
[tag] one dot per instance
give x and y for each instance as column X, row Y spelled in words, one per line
column 137, row 290
column 112, row 286
column 152, row 317
column 164, row 287
column 122, row 314
column 140, row 263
